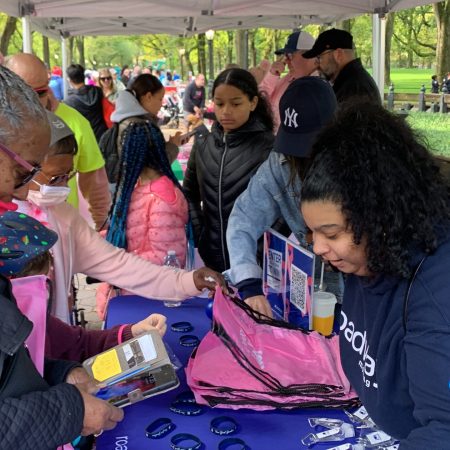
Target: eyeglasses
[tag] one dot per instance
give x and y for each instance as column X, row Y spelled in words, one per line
column 57, row 179
column 33, row 170
column 322, row 54
column 291, row 54
column 105, row 78
column 41, row 92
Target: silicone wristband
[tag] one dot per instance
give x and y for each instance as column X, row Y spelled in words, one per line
column 223, row 426
column 182, row 327
column 159, row 428
column 228, row 442
column 178, row 438
column 185, row 397
column 185, row 409
column 189, row 340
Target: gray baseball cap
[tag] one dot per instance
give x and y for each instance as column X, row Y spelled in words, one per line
column 59, row 128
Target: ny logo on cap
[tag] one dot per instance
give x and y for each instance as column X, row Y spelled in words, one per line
column 290, row 118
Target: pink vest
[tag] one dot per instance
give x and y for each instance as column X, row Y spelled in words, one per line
column 156, row 221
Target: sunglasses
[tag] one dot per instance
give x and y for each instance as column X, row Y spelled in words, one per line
column 33, row 170
column 323, row 54
column 105, row 78
column 41, row 92
column 57, row 179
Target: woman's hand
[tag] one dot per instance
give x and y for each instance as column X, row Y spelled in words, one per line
column 260, row 304
column 205, row 278
column 152, row 322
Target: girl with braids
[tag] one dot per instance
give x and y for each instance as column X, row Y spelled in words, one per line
column 379, row 212
column 149, row 215
column 221, row 163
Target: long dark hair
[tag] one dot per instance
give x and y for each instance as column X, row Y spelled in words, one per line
column 372, row 164
column 245, row 82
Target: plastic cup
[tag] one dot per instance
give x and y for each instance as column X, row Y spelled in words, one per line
column 323, row 312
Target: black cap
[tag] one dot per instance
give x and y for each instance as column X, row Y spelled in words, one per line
column 307, row 105
column 330, row 40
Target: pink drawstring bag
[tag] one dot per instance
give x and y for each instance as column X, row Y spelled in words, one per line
column 251, row 361
column 31, row 294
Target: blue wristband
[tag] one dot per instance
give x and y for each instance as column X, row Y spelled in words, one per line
column 189, row 340
column 182, row 327
column 185, row 397
column 228, row 442
column 223, row 425
column 178, row 438
column 185, row 409
column 159, row 428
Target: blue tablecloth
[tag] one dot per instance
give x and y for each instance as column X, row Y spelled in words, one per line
column 269, row 430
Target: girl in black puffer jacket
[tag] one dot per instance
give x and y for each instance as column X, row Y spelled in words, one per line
column 222, row 162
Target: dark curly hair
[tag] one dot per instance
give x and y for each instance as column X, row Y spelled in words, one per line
column 391, row 192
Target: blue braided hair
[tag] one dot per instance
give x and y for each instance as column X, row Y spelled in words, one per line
column 143, row 146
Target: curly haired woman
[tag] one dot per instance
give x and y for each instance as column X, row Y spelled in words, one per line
column 379, row 212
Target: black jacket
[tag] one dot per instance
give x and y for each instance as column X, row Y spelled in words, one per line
column 219, row 170
column 354, row 81
column 35, row 412
column 88, row 101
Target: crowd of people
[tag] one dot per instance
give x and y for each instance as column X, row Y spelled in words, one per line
column 312, row 153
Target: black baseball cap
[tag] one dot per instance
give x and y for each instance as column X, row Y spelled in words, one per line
column 306, row 107
column 330, row 40
column 299, row 40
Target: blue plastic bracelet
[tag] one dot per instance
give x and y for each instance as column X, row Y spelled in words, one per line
column 185, row 408
column 178, row 438
column 228, row 442
column 223, row 425
column 182, row 327
column 189, row 340
column 185, row 397
column 159, row 428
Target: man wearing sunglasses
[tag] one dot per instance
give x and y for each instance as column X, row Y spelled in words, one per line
column 35, row 411
column 88, row 163
column 273, row 84
column 334, row 52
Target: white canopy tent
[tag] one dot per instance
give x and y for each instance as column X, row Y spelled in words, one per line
column 64, row 18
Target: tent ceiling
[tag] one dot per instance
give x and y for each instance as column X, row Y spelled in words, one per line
column 185, row 17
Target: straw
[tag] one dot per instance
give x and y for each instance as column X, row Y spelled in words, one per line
column 321, row 276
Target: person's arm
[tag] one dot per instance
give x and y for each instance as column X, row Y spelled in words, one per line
column 54, row 416
column 95, row 189
column 191, row 189
column 427, row 346
column 202, row 103
column 271, row 80
column 244, row 228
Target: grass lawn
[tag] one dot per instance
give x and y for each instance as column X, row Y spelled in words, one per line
column 436, row 129
column 409, row 81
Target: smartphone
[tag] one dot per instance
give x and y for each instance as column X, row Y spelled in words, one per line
column 185, row 137
column 139, row 387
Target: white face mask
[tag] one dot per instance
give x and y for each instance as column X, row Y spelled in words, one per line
column 48, row 195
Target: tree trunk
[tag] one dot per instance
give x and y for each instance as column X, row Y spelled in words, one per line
column 345, row 25
column 10, row 28
column 46, row 50
column 189, row 62
column 201, row 53
column 240, row 48
column 253, row 51
column 442, row 13
column 230, row 46
column 70, row 50
column 80, row 47
column 390, row 18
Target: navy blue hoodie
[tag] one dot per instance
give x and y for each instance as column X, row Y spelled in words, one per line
column 402, row 379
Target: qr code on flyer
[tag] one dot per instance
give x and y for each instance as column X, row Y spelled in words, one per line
column 299, row 284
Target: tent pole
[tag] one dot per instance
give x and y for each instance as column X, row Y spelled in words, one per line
column 378, row 49
column 64, row 64
column 26, row 34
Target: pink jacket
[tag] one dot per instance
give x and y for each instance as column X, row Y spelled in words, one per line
column 274, row 87
column 83, row 250
column 156, row 221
